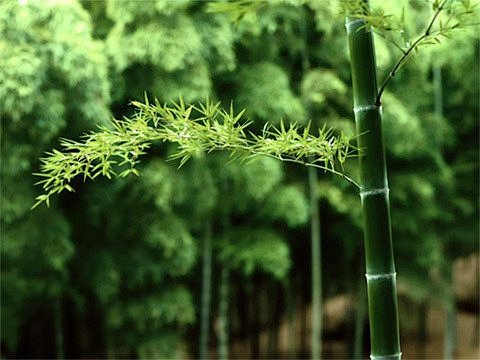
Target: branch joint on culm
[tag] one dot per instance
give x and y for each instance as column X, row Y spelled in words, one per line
column 353, row 23
column 381, row 276
column 366, row 108
column 371, row 192
column 387, row 357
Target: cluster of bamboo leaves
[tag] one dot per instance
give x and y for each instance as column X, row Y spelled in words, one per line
column 114, row 150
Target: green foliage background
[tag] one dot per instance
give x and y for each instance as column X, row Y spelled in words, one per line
column 125, row 254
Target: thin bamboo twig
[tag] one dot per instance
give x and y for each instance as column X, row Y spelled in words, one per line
column 407, row 52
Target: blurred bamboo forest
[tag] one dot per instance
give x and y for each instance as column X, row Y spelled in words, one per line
column 126, row 268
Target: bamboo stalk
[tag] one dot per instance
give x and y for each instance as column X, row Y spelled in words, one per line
column 254, row 294
column 450, row 313
column 315, row 236
column 58, row 320
column 274, row 321
column 450, row 335
column 316, row 267
column 223, row 314
column 422, row 330
column 206, row 292
column 381, row 276
column 223, row 333
column 292, row 319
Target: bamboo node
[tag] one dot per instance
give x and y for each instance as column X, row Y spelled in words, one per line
column 370, row 192
column 365, row 108
column 387, row 357
column 381, row 276
column 352, row 23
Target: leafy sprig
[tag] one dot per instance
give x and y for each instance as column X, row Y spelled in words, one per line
column 114, row 151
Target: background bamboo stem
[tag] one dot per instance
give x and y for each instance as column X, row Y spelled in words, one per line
column 223, row 332
column 58, row 319
column 450, row 337
column 316, row 336
column 206, row 291
column 223, row 314
column 315, row 237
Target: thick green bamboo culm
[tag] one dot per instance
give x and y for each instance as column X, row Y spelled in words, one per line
column 374, row 192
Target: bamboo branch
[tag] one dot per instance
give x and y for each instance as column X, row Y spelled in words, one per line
column 407, row 52
column 114, row 151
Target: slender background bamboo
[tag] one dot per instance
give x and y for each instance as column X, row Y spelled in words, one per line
column 223, row 314
column 58, row 320
column 316, row 267
column 206, row 291
column 315, row 236
column 223, row 302
column 449, row 301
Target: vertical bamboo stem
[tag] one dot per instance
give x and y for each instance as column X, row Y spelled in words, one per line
column 450, row 315
column 422, row 329
column 223, row 314
column 303, row 331
column 206, row 291
column 315, row 237
column 381, row 276
column 292, row 319
column 254, row 291
column 476, row 332
column 58, row 319
column 450, row 334
column 223, row 334
column 316, row 267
